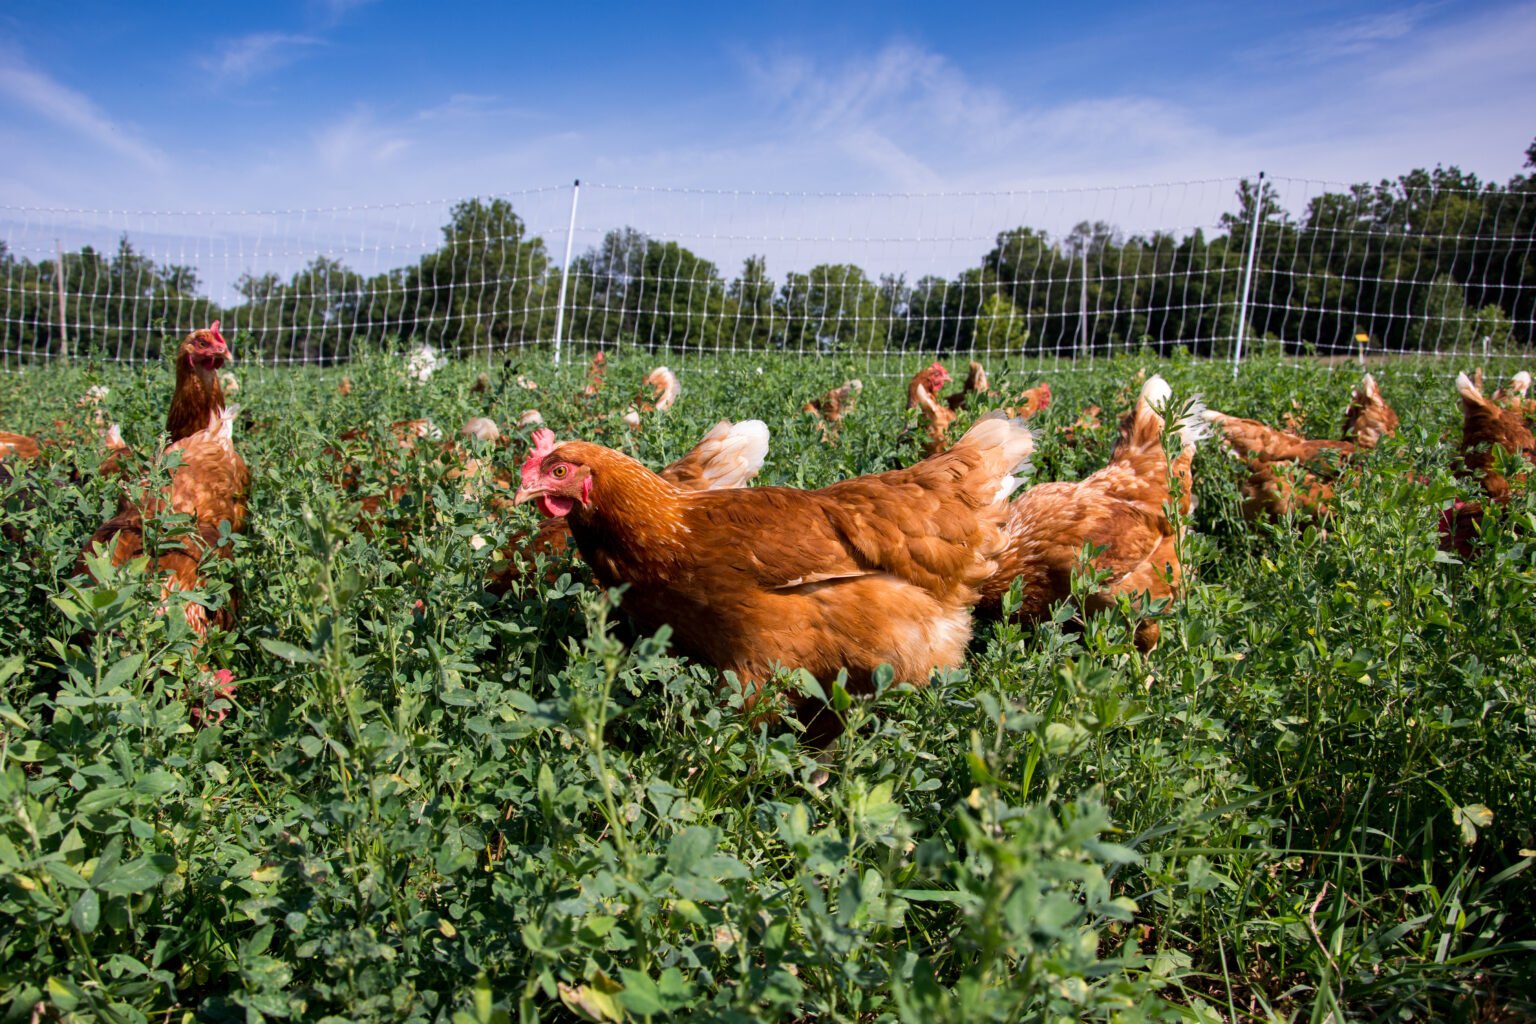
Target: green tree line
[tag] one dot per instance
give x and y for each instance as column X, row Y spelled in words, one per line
column 1431, row 260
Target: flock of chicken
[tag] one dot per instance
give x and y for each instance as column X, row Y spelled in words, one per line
column 885, row 569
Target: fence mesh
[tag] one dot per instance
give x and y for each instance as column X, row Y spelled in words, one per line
column 1068, row 275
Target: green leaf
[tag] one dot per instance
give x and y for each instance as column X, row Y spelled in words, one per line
column 640, row 994
column 1471, row 817
column 138, row 875
column 688, row 848
column 289, row 653
column 118, row 675
column 101, row 799
column 85, row 915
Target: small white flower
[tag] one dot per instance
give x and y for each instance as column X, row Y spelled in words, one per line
column 423, row 363
column 477, row 542
column 759, row 371
column 526, row 384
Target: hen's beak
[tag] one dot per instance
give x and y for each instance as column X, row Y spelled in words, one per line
column 526, row 494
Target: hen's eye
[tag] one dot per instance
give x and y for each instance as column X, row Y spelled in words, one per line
column 560, row 471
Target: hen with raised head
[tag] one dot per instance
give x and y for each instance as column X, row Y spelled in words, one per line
column 198, row 392
column 875, row 570
column 923, row 395
column 1123, row 509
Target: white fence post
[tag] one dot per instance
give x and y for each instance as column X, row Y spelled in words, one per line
column 1247, row 283
column 565, row 270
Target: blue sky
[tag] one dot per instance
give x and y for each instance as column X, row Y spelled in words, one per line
column 313, row 104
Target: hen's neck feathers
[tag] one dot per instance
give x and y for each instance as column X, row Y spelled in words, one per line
column 198, row 395
column 634, row 522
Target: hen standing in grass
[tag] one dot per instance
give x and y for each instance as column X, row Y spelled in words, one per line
column 1123, row 508
column 923, row 395
column 1487, row 424
column 212, row 485
column 1289, row 473
column 975, row 384
column 875, row 570
column 1515, row 395
column 665, row 390
column 828, row 410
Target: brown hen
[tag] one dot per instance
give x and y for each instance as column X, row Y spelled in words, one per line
column 1288, row 473
column 876, row 570
column 1122, row 510
column 212, row 485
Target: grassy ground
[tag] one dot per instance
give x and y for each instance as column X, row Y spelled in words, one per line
column 1315, row 800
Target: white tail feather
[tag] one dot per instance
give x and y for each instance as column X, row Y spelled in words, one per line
column 1193, row 425
column 1156, row 392
column 733, row 453
column 1466, row 389
column 995, row 430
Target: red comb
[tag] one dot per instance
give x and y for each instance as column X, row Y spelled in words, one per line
column 213, row 329
column 543, row 444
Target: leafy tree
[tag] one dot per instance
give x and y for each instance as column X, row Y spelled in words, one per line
column 486, row 286
column 835, row 307
column 750, row 301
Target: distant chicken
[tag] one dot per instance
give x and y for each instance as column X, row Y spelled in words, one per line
column 923, row 395
column 21, row 446
column 729, row 455
column 1123, row 508
column 876, row 570
column 1032, row 402
column 595, row 375
column 828, row 410
column 1369, row 419
column 212, row 485
column 1516, row 395
column 975, row 384
column 665, row 389
column 1486, row 425
column 117, row 455
column 1288, row 473
column 1086, row 423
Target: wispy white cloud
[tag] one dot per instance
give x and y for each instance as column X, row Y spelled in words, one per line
column 73, row 111
column 240, row 59
column 359, row 141
column 1351, row 37
column 910, row 119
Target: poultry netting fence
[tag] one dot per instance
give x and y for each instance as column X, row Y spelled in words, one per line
column 1066, row 276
